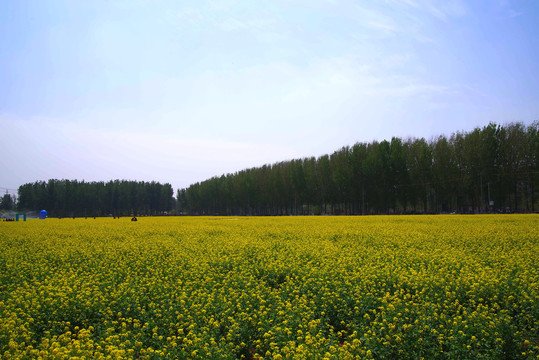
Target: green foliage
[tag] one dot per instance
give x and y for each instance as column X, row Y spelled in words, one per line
column 462, row 173
column 7, row 202
column 64, row 198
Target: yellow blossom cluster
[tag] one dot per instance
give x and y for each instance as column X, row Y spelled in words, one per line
column 380, row 287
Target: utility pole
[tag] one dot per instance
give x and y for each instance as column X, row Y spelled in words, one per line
column 481, row 202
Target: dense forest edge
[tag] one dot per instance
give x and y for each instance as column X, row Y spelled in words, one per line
column 67, row 198
column 489, row 169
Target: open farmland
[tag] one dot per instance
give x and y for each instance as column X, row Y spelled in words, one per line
column 388, row 287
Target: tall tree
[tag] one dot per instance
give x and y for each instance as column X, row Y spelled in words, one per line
column 463, row 172
column 7, row 202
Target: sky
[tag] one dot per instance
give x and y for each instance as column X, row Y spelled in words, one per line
column 180, row 91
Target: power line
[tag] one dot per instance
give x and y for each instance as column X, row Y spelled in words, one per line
column 8, row 190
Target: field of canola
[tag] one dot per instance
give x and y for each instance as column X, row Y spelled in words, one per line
column 388, row 287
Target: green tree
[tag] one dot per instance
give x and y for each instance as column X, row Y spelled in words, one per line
column 419, row 163
column 7, row 202
column 445, row 174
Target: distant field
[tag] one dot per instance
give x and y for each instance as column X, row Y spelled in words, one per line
column 382, row 287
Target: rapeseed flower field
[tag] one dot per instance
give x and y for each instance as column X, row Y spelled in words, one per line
column 387, row 287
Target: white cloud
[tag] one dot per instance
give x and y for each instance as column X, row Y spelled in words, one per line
column 189, row 16
column 444, row 10
column 376, row 20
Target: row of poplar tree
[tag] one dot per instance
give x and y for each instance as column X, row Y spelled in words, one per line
column 62, row 198
column 490, row 169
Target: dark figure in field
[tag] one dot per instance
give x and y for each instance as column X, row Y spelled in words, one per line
column 134, row 219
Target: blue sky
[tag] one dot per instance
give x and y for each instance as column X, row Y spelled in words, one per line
column 179, row 91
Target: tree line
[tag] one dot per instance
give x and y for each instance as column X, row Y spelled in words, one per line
column 7, row 202
column 494, row 168
column 63, row 198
